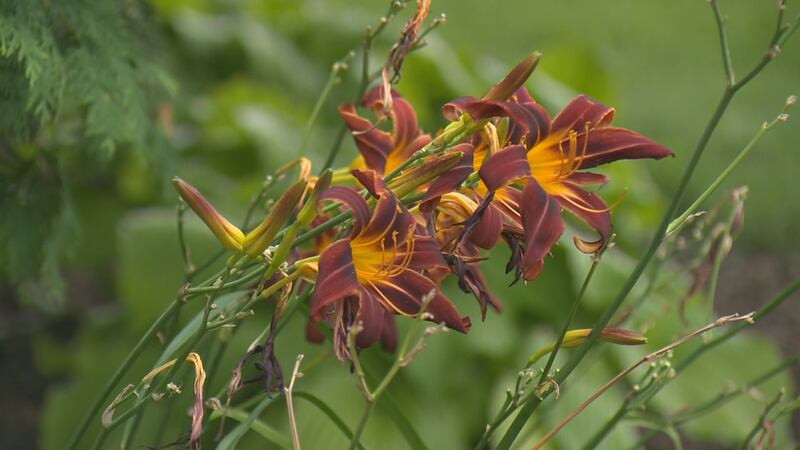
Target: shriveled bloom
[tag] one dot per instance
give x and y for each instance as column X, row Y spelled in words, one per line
column 377, row 271
column 541, row 169
column 383, row 151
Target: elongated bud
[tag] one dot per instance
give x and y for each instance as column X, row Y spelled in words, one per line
column 257, row 240
column 309, row 211
column 574, row 338
column 430, row 168
column 228, row 234
column 514, row 79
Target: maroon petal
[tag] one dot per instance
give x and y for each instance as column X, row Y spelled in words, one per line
column 580, row 111
column 486, row 230
column 404, row 293
column 336, row 280
column 373, row 143
column 543, row 225
column 389, row 333
column 587, row 179
column 425, row 254
column 529, row 123
column 503, row 166
column 371, row 315
column 477, row 109
column 606, row 145
column 390, row 224
column 589, row 207
column 353, row 201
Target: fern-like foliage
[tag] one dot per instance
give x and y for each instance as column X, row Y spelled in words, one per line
column 79, row 81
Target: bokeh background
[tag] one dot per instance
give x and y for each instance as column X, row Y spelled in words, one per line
column 103, row 102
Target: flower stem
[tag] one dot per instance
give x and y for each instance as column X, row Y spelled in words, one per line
column 677, row 225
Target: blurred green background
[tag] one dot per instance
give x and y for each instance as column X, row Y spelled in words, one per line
column 103, row 102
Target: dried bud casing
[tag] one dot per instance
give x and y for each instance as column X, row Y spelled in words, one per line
column 514, row 80
column 257, row 240
column 228, row 234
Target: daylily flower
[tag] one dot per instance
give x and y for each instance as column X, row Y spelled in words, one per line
column 377, row 271
column 540, row 170
column 383, row 151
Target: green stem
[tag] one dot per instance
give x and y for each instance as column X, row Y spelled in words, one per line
column 766, row 309
column 333, row 79
column 760, row 422
column 121, row 371
column 677, row 225
column 607, row 427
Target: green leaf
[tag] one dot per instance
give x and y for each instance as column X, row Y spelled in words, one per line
column 328, row 411
column 251, row 422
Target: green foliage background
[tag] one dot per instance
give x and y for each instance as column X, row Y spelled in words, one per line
column 102, row 102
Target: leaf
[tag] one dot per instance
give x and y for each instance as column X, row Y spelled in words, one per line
column 248, row 422
column 325, row 409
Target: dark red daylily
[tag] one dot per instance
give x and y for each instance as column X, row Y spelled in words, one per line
column 377, row 271
column 540, row 171
column 383, row 151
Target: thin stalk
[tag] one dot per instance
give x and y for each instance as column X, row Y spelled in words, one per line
column 723, row 40
column 677, row 225
column 761, row 420
column 510, row 406
column 404, row 356
column 333, row 79
column 363, row 84
column 747, row 319
column 686, row 361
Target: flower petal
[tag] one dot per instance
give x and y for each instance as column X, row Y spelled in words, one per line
column 503, row 166
column 529, row 122
column 477, row 109
column 543, row 225
column 610, row 144
column 370, row 314
column 353, row 201
column 374, row 144
column 336, row 280
column 425, row 254
column 580, row 111
column 405, row 291
column 590, row 208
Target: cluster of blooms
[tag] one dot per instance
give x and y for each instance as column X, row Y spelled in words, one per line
column 423, row 208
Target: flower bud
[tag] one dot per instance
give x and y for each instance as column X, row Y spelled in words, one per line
column 575, row 338
column 516, row 78
column 228, row 234
column 309, row 211
column 417, row 176
column 257, row 240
